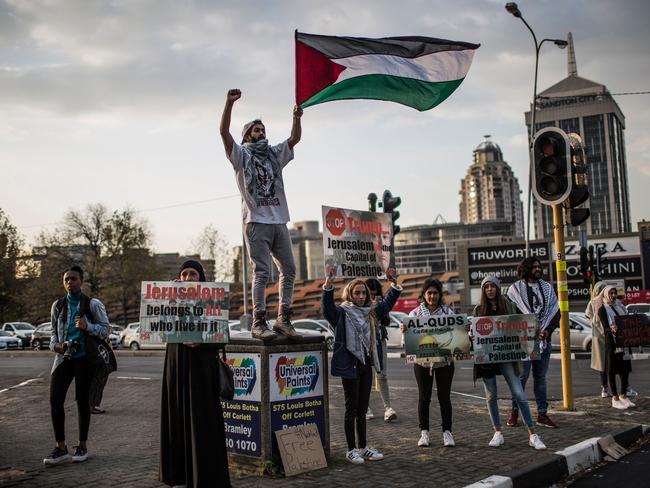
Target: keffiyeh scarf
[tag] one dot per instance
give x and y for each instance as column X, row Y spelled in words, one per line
column 256, row 153
column 360, row 332
column 518, row 293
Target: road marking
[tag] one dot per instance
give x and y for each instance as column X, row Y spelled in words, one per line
column 414, row 388
column 133, row 378
column 24, row 383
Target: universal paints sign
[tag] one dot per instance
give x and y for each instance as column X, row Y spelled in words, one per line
column 242, row 415
column 295, row 375
column 296, row 392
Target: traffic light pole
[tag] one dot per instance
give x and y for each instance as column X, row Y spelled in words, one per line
column 563, row 299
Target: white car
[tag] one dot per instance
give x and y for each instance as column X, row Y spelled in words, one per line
column 395, row 336
column 8, row 342
column 114, row 335
column 130, row 328
column 22, row 330
column 308, row 326
column 132, row 341
column 579, row 333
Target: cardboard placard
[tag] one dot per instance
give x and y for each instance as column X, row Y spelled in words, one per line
column 301, row 449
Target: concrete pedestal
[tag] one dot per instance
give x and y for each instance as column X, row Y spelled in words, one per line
column 278, row 384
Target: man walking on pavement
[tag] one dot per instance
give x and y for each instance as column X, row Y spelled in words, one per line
column 258, row 169
column 532, row 295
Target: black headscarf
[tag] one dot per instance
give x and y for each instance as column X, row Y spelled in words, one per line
column 191, row 263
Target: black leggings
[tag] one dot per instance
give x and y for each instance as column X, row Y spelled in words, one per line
column 69, row 369
column 357, row 398
column 424, row 377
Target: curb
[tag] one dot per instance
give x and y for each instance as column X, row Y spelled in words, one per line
column 566, row 462
column 118, row 352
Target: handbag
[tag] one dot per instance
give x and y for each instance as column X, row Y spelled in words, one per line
column 100, row 354
column 226, row 378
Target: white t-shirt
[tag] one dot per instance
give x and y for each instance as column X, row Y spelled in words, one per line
column 271, row 205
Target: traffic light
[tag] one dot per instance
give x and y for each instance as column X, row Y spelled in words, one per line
column 389, row 204
column 372, row 202
column 593, row 272
column 551, row 166
column 601, row 261
column 579, row 190
column 585, row 270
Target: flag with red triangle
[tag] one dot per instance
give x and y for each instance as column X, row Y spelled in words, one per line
column 420, row 72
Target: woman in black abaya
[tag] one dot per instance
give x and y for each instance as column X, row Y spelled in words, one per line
column 192, row 438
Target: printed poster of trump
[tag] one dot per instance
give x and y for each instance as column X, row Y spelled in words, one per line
column 356, row 244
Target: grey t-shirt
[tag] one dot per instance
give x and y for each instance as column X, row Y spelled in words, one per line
column 271, row 205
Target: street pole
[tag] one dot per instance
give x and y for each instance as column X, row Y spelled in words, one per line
column 512, row 8
column 563, row 299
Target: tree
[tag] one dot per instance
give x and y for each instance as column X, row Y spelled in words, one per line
column 210, row 244
column 11, row 243
column 112, row 248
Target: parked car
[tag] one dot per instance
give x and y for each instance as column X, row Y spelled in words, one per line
column 639, row 308
column 9, row 342
column 128, row 331
column 133, row 341
column 306, row 326
column 22, row 330
column 580, row 333
column 395, row 336
column 114, row 335
column 41, row 336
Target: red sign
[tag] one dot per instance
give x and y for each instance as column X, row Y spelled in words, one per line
column 335, row 222
column 484, row 326
column 405, row 304
column 637, row 296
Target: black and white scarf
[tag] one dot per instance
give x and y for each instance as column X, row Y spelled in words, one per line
column 256, row 153
column 518, row 293
column 361, row 333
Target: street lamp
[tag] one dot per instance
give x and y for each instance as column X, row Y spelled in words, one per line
column 512, row 8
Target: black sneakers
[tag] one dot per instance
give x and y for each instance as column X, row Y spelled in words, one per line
column 57, row 456
column 80, row 454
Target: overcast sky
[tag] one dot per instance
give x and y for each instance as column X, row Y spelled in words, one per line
column 119, row 102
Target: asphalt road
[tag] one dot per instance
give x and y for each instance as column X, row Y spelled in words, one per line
column 15, row 370
column 631, row 470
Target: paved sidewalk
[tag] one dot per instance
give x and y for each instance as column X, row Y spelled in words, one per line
column 124, row 441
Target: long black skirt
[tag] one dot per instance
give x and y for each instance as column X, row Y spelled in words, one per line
column 192, row 437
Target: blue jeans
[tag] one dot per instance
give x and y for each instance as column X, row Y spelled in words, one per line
column 490, row 384
column 540, row 368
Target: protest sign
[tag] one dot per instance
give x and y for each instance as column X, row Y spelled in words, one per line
column 436, row 339
column 296, row 391
column 504, row 338
column 301, row 449
column 183, row 311
column 633, row 330
column 242, row 415
column 356, row 243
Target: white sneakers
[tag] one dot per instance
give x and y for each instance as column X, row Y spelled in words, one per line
column 536, row 442
column 627, row 402
column 359, row 456
column 620, row 404
column 631, row 392
column 497, row 439
column 354, row 456
column 389, row 414
column 424, row 439
column 369, row 414
column 604, row 393
column 448, row 439
column 371, row 454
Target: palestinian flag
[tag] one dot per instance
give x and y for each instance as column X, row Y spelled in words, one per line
column 420, row 72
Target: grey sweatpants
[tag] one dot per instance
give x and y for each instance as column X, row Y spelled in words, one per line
column 263, row 242
column 382, row 377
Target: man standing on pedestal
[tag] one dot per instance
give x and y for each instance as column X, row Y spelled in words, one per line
column 258, row 168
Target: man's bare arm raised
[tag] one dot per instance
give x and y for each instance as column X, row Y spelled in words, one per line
column 232, row 96
column 296, row 128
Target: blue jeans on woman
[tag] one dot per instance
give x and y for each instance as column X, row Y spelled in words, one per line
column 540, row 368
column 517, row 391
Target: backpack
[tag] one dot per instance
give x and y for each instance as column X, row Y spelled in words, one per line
column 99, row 352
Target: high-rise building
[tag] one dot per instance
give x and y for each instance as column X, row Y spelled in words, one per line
column 579, row 105
column 490, row 190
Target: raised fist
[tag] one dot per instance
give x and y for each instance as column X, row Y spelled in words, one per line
column 233, row 95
